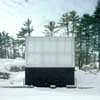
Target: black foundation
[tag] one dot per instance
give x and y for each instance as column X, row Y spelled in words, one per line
column 44, row 77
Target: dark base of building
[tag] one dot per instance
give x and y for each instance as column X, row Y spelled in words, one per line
column 45, row 77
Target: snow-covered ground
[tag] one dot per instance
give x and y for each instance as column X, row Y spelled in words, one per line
column 88, row 86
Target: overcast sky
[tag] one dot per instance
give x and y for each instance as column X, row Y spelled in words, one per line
column 13, row 13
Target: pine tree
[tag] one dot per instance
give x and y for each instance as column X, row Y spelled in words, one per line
column 74, row 20
column 84, row 38
column 25, row 30
column 97, row 27
column 86, row 22
column 64, row 22
column 51, row 29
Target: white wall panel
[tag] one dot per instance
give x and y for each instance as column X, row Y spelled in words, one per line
column 49, row 52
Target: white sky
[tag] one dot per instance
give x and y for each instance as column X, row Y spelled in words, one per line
column 13, row 13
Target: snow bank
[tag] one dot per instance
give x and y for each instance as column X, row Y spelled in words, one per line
column 17, row 79
column 87, row 79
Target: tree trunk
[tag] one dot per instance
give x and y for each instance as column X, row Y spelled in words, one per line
column 99, row 59
column 87, row 50
column 67, row 26
column 81, row 55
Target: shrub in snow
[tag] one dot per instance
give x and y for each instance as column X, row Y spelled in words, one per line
column 12, row 64
column 89, row 67
column 4, row 75
column 23, row 68
column 16, row 68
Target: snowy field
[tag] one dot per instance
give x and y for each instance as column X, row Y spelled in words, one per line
column 88, row 86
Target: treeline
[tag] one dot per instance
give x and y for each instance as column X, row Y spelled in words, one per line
column 88, row 38
column 85, row 29
column 9, row 47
